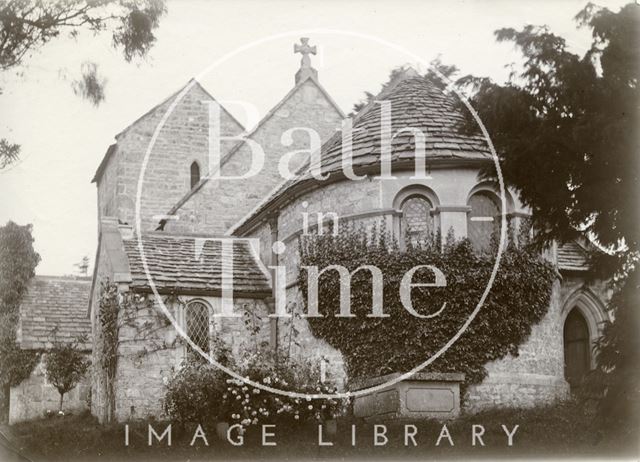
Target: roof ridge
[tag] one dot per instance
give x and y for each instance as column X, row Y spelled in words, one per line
column 63, row 277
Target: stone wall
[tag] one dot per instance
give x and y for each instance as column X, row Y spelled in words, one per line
column 535, row 376
column 221, row 203
column 33, row 397
column 182, row 140
column 151, row 350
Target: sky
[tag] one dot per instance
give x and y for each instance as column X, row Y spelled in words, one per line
column 63, row 137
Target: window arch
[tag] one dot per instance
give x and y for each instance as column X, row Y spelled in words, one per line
column 416, row 219
column 195, row 174
column 197, row 321
column 483, row 220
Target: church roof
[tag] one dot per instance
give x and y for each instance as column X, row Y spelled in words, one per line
column 190, row 265
column 572, row 257
column 416, row 103
column 54, row 302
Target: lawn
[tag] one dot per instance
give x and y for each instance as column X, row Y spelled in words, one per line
column 559, row 432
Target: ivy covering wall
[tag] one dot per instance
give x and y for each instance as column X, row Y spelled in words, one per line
column 373, row 346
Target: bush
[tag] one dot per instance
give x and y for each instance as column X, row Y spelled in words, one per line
column 199, row 391
column 250, row 406
column 194, row 393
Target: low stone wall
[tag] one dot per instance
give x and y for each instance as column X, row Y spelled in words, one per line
column 32, row 398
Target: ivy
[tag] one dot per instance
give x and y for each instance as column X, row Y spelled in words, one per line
column 109, row 330
column 373, row 346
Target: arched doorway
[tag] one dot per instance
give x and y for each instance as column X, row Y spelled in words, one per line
column 577, row 348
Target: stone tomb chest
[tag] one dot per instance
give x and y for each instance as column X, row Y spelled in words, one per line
column 426, row 395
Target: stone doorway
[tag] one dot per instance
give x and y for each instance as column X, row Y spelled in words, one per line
column 577, row 349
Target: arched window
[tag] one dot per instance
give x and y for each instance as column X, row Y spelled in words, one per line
column 195, row 174
column 577, row 352
column 197, row 325
column 483, row 220
column 417, row 221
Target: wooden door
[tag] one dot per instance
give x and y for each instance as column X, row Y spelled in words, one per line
column 577, row 350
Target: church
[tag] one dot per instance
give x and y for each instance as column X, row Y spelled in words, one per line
column 165, row 225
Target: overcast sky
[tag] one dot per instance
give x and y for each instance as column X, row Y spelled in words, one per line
column 64, row 138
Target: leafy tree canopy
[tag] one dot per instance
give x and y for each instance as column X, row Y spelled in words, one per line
column 18, row 261
column 565, row 127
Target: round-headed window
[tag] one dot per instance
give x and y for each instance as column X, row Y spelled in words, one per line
column 417, row 220
column 483, row 220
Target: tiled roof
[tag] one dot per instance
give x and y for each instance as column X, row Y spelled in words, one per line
column 54, row 302
column 415, row 103
column 572, row 257
column 173, row 266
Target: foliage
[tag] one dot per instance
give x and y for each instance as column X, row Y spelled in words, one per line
column 398, row 72
column 373, row 346
column 616, row 376
column 251, row 406
column 565, row 129
column 27, row 25
column 18, row 261
column 9, row 153
column 194, row 393
column 107, row 341
column 200, row 391
column 16, row 364
column 65, row 365
column 557, row 432
column 91, row 85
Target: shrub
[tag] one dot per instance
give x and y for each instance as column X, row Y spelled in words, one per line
column 250, row 406
column 194, row 393
column 199, row 391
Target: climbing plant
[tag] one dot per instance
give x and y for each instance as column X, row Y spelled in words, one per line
column 400, row 341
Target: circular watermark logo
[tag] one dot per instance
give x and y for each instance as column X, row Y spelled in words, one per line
column 279, row 247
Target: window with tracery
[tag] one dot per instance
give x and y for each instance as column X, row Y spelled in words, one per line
column 483, row 220
column 197, row 325
column 417, row 220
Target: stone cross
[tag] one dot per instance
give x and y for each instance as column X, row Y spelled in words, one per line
column 304, row 50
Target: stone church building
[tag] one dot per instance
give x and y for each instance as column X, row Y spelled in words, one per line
column 190, row 223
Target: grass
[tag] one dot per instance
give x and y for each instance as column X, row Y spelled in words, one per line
column 561, row 431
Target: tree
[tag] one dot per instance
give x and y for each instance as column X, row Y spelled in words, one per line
column 565, row 131
column 27, row 25
column 18, row 261
column 83, row 266
column 65, row 365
